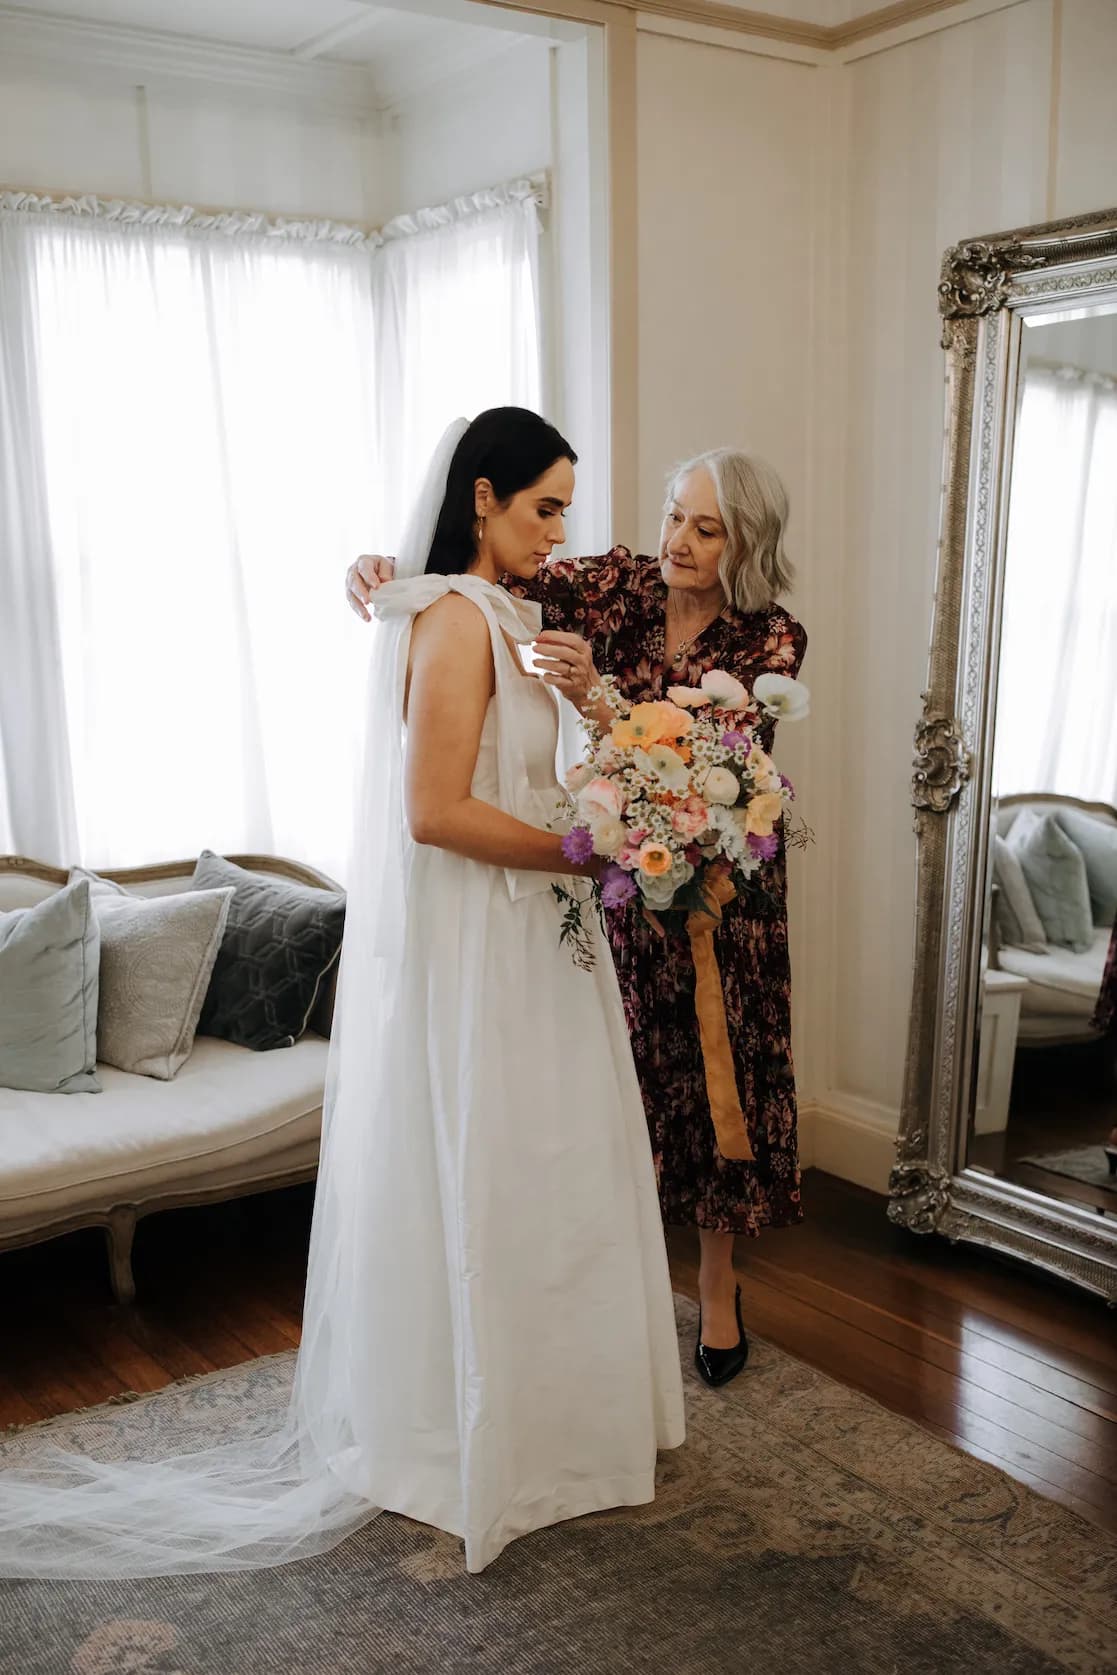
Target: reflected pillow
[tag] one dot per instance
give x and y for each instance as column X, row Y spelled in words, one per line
column 1097, row 839
column 157, row 954
column 48, row 994
column 281, row 944
column 1056, row 873
column 1018, row 923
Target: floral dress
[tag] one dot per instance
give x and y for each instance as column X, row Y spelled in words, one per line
column 1105, row 1015
column 618, row 603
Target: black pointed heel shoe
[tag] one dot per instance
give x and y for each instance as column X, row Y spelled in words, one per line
column 718, row 1366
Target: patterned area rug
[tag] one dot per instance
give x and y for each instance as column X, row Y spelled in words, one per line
column 1082, row 1163
column 802, row 1530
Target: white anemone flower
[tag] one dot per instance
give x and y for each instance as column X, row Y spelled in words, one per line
column 665, row 765
column 725, row 690
column 781, row 697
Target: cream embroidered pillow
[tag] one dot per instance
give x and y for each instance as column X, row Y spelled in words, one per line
column 157, row 954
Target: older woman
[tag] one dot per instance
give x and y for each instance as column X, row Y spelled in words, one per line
column 709, row 601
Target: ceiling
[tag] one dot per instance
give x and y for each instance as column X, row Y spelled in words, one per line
column 401, row 47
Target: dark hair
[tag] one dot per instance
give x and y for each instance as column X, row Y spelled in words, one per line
column 512, row 447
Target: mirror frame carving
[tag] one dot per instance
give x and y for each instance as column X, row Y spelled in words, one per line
column 986, row 286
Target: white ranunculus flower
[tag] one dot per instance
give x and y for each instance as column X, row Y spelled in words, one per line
column 720, row 786
column 609, row 835
column 781, row 697
column 725, row 690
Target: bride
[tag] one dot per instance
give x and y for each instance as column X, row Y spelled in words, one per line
column 489, row 1342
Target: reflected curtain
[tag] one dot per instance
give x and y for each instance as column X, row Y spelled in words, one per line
column 1057, row 698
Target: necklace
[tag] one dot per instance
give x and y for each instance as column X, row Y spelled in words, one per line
column 687, row 647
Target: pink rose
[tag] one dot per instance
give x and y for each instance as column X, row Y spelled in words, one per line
column 578, row 777
column 690, row 821
column 600, row 799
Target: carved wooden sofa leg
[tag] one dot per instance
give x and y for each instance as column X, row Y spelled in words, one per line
column 120, row 1230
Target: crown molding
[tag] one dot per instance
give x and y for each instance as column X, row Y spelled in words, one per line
column 760, row 25
column 128, row 56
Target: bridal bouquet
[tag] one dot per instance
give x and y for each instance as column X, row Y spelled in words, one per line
column 681, row 798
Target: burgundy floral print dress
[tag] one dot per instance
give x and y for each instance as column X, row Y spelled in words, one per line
column 1105, row 1015
column 618, row 603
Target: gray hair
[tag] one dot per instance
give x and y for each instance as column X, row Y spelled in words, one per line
column 755, row 570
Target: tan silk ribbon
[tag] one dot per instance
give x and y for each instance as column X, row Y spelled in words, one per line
column 713, row 1030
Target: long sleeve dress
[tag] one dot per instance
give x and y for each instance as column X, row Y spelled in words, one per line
column 618, row 603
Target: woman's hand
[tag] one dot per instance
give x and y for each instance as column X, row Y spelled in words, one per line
column 363, row 578
column 568, row 666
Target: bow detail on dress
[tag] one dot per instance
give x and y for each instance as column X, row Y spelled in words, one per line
column 520, row 619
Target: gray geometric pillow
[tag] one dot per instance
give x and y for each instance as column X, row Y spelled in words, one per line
column 48, row 994
column 157, row 953
column 281, row 942
column 1056, row 874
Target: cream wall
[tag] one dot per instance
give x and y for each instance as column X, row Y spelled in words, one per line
column 991, row 123
column 727, row 149
column 193, row 140
column 189, row 142
column 477, row 129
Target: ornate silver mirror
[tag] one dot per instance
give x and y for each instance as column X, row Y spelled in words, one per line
column 1009, row 1128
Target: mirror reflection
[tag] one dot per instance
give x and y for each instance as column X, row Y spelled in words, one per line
column 1045, row 1103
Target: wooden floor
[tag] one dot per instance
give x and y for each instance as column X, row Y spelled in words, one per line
column 1013, row 1367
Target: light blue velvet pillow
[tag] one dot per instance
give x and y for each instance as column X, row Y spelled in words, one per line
column 49, row 965
column 1097, row 839
column 1056, row 873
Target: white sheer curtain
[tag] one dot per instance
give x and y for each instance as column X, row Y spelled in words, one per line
column 201, row 421
column 457, row 305
column 1057, row 696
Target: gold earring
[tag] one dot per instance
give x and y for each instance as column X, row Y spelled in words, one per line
column 480, row 530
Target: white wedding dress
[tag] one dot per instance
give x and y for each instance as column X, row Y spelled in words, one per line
column 524, row 1362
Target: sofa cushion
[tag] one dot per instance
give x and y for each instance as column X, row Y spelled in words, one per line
column 157, row 955
column 1056, row 874
column 1018, row 922
column 222, row 1099
column 281, row 942
column 1060, row 982
column 49, row 957
column 1097, row 839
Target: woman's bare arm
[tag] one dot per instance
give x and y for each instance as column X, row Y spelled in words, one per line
column 450, row 684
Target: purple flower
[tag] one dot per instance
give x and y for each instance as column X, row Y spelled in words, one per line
column 617, row 886
column 786, row 783
column 764, row 848
column 733, row 739
column 577, row 845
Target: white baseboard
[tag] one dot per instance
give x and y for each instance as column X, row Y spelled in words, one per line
column 849, row 1137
